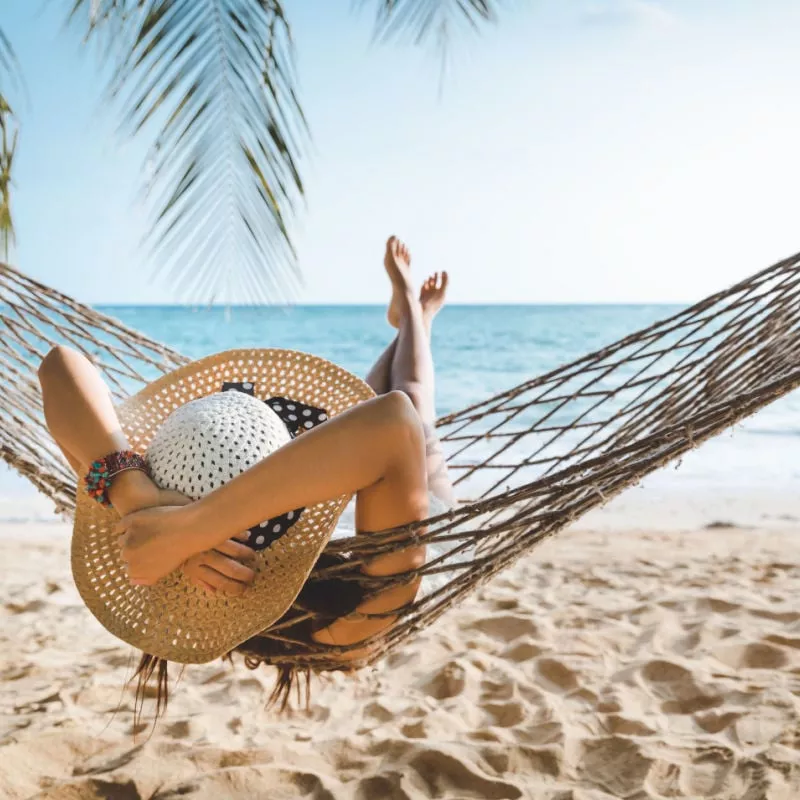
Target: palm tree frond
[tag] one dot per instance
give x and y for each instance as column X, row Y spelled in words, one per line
column 421, row 21
column 9, row 132
column 216, row 79
column 8, row 147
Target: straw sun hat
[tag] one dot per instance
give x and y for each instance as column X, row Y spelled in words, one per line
column 200, row 426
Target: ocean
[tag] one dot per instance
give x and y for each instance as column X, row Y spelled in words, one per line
column 478, row 351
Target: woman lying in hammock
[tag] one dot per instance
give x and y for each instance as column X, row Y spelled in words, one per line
column 384, row 450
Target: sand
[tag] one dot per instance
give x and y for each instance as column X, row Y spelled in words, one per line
column 610, row 663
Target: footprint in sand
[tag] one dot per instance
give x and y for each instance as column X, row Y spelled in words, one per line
column 707, row 775
column 445, row 775
column 763, row 726
column 754, row 655
column 507, row 627
column 415, row 730
column 376, row 712
column 543, row 733
column 714, row 722
column 608, row 706
column 506, row 604
column 521, row 651
column 622, row 726
column 380, row 786
column 178, row 730
column 514, row 759
column 22, row 608
column 677, row 687
column 614, row 764
column 555, row 676
column 505, row 715
column 497, row 686
column 696, row 775
column 448, row 682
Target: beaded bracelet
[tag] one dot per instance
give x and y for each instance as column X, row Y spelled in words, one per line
column 102, row 471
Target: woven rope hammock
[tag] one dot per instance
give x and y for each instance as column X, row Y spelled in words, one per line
column 533, row 458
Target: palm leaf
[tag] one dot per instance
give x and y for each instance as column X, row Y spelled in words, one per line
column 422, row 21
column 9, row 73
column 8, row 147
column 215, row 78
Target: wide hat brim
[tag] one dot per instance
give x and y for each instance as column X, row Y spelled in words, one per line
column 174, row 619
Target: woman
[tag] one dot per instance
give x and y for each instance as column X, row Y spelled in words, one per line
column 383, row 450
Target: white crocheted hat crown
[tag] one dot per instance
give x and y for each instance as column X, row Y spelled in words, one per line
column 209, row 441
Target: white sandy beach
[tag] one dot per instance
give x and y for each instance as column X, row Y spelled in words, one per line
column 616, row 661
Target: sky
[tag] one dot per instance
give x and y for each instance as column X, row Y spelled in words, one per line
column 578, row 151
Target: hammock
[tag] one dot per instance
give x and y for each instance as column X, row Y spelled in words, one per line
column 532, row 459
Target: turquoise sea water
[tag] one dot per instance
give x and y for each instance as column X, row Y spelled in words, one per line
column 478, row 351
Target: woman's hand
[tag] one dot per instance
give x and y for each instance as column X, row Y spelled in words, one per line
column 153, row 542
column 222, row 569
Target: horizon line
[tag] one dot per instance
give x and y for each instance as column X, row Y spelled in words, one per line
column 557, row 303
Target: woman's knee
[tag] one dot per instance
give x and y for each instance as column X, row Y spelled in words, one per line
column 400, row 411
column 419, row 398
column 57, row 363
column 404, row 428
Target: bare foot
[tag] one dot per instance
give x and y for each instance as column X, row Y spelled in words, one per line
column 398, row 264
column 431, row 296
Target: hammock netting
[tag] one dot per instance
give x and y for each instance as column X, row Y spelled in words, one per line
column 527, row 462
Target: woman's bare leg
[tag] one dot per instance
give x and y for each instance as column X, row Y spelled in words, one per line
column 379, row 377
column 412, row 370
column 431, row 298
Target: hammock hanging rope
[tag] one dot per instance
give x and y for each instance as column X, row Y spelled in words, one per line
column 532, row 459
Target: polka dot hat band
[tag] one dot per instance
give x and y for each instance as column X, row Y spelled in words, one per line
column 297, row 417
column 200, row 426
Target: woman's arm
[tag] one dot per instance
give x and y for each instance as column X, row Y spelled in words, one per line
column 81, row 418
column 377, row 441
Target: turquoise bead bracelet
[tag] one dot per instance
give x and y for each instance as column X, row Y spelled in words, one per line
column 103, row 470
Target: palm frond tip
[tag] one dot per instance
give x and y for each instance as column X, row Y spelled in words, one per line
column 424, row 20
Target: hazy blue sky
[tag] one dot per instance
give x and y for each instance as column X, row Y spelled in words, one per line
column 581, row 151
